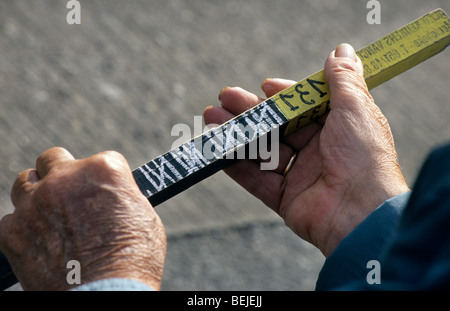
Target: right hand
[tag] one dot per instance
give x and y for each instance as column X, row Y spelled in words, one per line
column 346, row 163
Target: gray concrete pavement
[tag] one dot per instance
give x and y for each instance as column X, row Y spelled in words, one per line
column 133, row 69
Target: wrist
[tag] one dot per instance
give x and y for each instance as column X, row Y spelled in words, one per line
column 358, row 206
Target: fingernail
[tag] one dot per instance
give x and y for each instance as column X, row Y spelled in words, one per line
column 264, row 82
column 206, row 108
column 345, row 50
column 222, row 90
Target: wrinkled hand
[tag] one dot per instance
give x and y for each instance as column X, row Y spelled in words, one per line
column 346, row 164
column 89, row 210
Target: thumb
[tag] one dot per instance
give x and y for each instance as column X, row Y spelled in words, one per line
column 345, row 76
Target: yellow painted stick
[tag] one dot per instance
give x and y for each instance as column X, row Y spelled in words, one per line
column 294, row 107
column 382, row 60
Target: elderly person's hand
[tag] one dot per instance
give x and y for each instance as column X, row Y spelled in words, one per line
column 346, row 163
column 89, row 210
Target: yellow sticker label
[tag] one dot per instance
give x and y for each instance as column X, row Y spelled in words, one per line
column 308, row 100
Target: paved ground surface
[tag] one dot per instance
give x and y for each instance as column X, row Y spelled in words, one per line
column 133, row 69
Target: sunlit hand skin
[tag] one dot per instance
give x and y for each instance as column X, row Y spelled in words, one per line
column 346, row 163
column 89, row 210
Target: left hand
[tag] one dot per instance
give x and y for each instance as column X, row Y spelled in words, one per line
column 89, row 210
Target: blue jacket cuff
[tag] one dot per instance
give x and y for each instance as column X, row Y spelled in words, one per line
column 114, row 284
column 348, row 263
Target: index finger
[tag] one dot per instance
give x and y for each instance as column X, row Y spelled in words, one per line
column 50, row 158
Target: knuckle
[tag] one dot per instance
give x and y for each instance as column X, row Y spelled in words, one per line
column 107, row 167
column 108, row 160
column 22, row 186
column 343, row 69
column 50, row 152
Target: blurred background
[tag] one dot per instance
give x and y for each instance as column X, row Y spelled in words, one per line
column 133, row 69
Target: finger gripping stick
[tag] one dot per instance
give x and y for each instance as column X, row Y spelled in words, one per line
column 304, row 102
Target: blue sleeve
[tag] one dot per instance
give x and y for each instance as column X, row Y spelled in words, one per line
column 347, row 264
column 412, row 246
column 418, row 258
column 114, row 284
